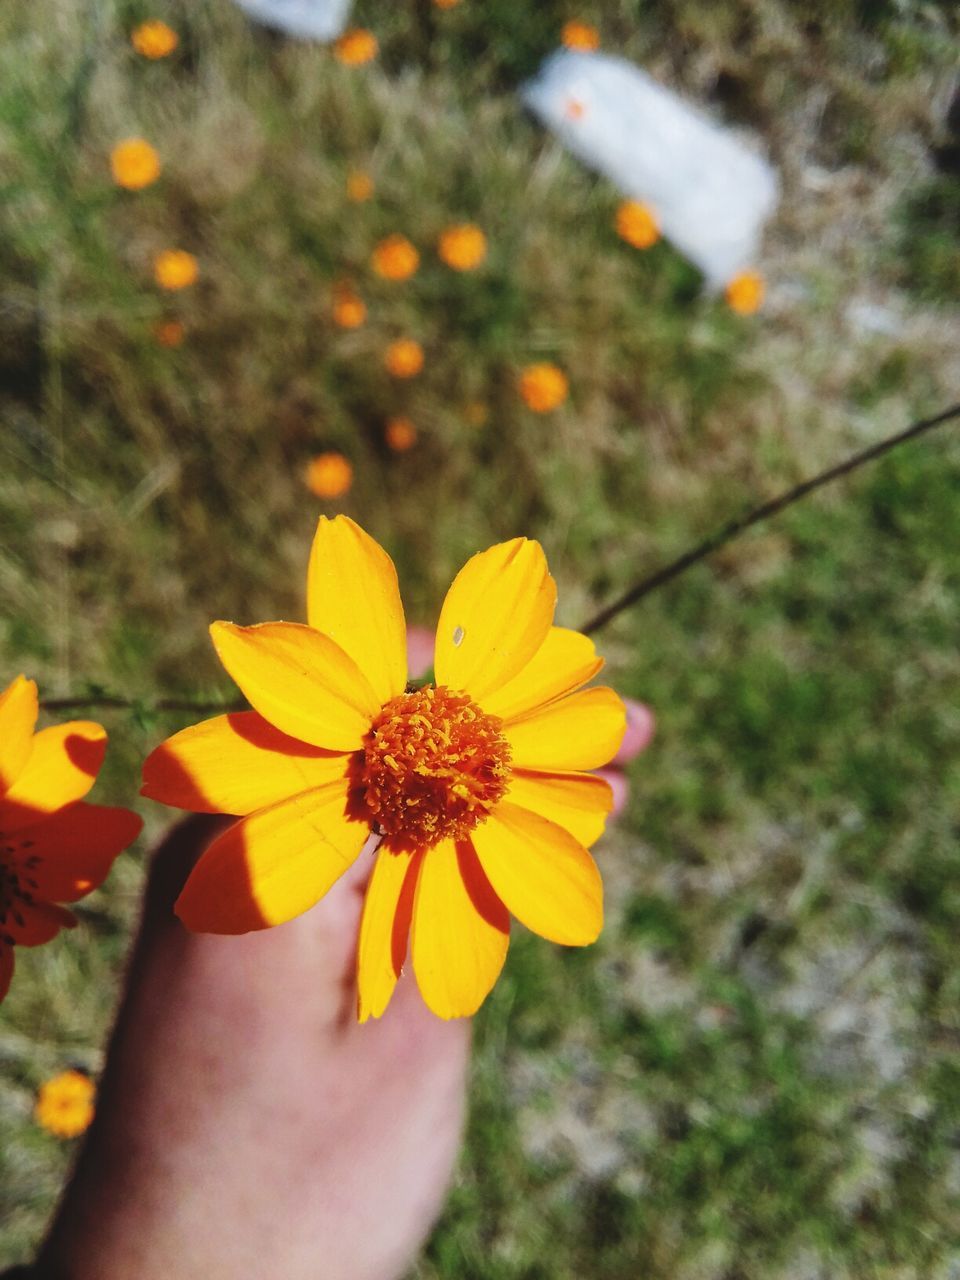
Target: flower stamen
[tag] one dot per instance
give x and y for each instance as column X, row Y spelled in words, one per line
column 434, row 765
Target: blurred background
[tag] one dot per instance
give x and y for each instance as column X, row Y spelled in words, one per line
column 754, row 1075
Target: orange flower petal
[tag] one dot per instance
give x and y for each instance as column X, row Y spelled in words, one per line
column 273, row 865
column 495, row 617
column 70, row 853
column 582, row 731
column 6, row 968
column 62, row 768
column 236, row 764
column 578, row 802
column 564, row 662
column 545, row 877
column 18, row 716
column 31, row 924
column 353, row 597
column 299, row 680
column 461, row 931
column 384, row 929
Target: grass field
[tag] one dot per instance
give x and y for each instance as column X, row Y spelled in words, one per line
column 755, row 1074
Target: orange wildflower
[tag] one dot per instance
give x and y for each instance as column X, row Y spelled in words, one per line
column 446, row 4
column 395, row 258
column 175, row 269
column 154, row 39
column 745, row 293
column 637, row 224
column 400, row 434
column 53, row 847
column 64, row 1104
column 349, row 309
column 404, row 358
column 134, row 164
column 356, row 47
column 473, row 791
column 463, row 247
column 543, row 387
column 580, row 35
column 329, row 475
column 359, row 186
column 169, row 333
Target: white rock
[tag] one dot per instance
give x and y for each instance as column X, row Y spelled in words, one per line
column 710, row 192
column 306, row 19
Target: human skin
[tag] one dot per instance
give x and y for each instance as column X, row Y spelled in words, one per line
column 246, row 1124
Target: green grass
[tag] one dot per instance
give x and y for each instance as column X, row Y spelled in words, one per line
column 753, row 1075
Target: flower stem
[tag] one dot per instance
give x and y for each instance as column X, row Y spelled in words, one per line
column 630, row 597
column 767, row 509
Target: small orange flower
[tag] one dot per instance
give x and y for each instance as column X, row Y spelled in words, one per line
column 329, row 475
column 356, row 47
column 745, row 293
column 395, row 258
column 64, row 1104
column 446, row 4
column 463, row 247
column 404, row 358
column 175, row 269
column 169, row 333
column 400, row 434
column 637, row 224
column 349, row 309
column 53, row 847
column 476, row 413
column 135, row 164
column 543, row 387
column 473, row 792
column 154, row 39
column 359, row 186
column 580, row 35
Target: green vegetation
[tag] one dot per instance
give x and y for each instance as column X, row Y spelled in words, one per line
column 753, row 1076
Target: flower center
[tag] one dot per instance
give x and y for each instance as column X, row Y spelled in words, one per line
column 434, row 766
column 17, row 885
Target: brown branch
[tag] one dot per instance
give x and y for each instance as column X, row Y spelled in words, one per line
column 763, row 512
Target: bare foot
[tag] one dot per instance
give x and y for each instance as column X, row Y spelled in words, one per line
column 247, row 1126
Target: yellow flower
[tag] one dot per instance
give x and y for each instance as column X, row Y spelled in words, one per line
column 745, row 293
column 400, row 434
column 53, row 847
column 356, row 47
column 154, row 39
column 404, row 358
column 543, row 387
column 329, row 475
column 135, row 164
column 65, row 1104
column 349, row 309
column 395, row 258
column 359, row 186
column 637, row 224
column 169, row 333
column 463, row 247
column 580, row 35
column 474, row 791
column 175, row 269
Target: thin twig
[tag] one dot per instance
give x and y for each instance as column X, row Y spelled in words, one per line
column 107, row 701
column 763, row 512
column 635, row 593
